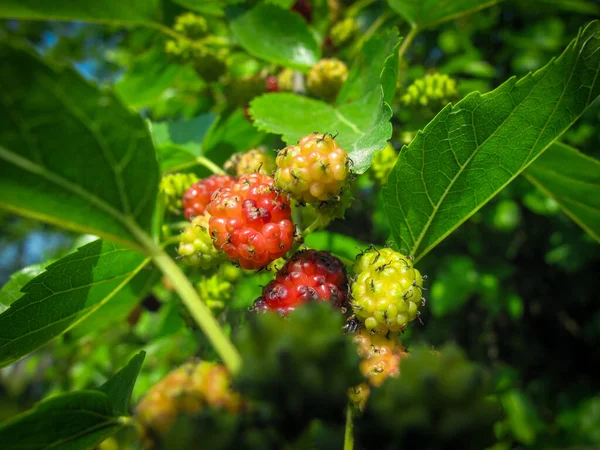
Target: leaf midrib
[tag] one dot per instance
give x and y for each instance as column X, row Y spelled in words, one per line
column 52, row 177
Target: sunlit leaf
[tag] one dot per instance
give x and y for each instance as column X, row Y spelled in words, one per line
column 471, row 150
column 80, row 159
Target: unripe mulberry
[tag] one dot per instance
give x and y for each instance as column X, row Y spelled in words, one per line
column 240, row 90
column 383, row 163
column 197, row 197
column 251, row 222
column 314, row 170
column 285, row 80
column 191, row 25
column 196, row 246
column 433, row 89
column 256, row 160
column 308, row 276
column 387, row 291
column 343, row 31
column 173, row 186
column 326, row 78
column 187, row 389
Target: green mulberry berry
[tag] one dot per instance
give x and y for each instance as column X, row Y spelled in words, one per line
column 431, row 90
column 173, row 187
column 209, row 57
column 326, row 78
column 191, row 25
column 387, row 291
column 383, row 163
column 196, row 246
column 285, row 80
column 256, row 160
column 343, row 31
column 240, row 90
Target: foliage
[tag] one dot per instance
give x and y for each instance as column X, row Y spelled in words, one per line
column 470, row 149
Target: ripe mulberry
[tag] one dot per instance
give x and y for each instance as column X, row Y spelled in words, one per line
column 309, row 275
column 251, row 221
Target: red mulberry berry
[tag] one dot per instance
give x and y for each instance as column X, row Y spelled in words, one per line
column 310, row 275
column 251, row 222
column 197, row 197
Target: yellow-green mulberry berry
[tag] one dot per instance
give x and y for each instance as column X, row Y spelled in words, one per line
column 387, row 291
column 326, row 78
column 285, row 80
column 383, row 163
column 314, row 170
column 433, row 89
column 256, row 160
column 173, row 187
column 343, row 31
column 191, row 25
column 196, row 246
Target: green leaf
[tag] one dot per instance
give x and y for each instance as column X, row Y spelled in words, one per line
column 376, row 64
column 184, row 133
column 11, row 291
column 573, row 180
column 77, row 420
column 470, row 151
column 69, row 291
column 179, row 142
column 429, row 13
column 74, row 421
column 116, row 311
column 230, row 134
column 108, row 11
column 363, row 126
column 339, row 244
column 71, row 154
column 120, row 386
column 276, row 35
column 205, row 7
column 150, row 75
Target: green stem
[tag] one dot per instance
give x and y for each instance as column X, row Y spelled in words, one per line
column 345, row 261
column 203, row 161
column 197, row 308
column 200, row 160
column 170, row 240
column 349, row 432
column 407, row 41
column 312, row 227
